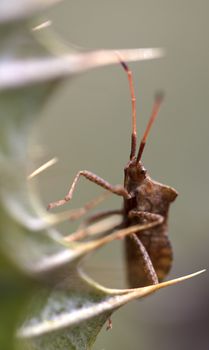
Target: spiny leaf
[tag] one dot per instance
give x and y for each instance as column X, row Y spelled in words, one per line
column 70, row 308
column 72, row 316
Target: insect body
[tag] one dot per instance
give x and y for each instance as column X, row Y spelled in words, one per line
column 148, row 252
column 149, row 255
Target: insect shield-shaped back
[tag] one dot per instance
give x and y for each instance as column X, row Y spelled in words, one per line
column 151, row 198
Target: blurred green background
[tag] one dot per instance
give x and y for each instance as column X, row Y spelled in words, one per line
column 87, row 126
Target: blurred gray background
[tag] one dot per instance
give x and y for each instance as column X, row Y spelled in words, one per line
column 87, row 126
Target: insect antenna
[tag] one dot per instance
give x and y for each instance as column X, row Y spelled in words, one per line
column 155, row 110
column 133, row 102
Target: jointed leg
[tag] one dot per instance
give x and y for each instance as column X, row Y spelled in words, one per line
column 75, row 214
column 140, row 270
column 101, row 215
column 141, row 263
column 118, row 189
column 109, row 324
column 157, row 219
column 84, row 230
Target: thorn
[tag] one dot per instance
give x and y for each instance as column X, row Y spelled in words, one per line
column 43, row 167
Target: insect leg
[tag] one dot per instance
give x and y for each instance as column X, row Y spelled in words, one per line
column 101, row 215
column 118, row 189
column 98, row 228
column 79, row 212
column 150, row 217
column 140, row 267
column 140, row 270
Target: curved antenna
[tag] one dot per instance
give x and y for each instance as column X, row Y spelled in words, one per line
column 155, row 110
column 133, row 102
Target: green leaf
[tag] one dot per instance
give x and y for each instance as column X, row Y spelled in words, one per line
column 74, row 312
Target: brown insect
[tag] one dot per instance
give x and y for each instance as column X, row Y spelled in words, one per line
column 148, row 253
